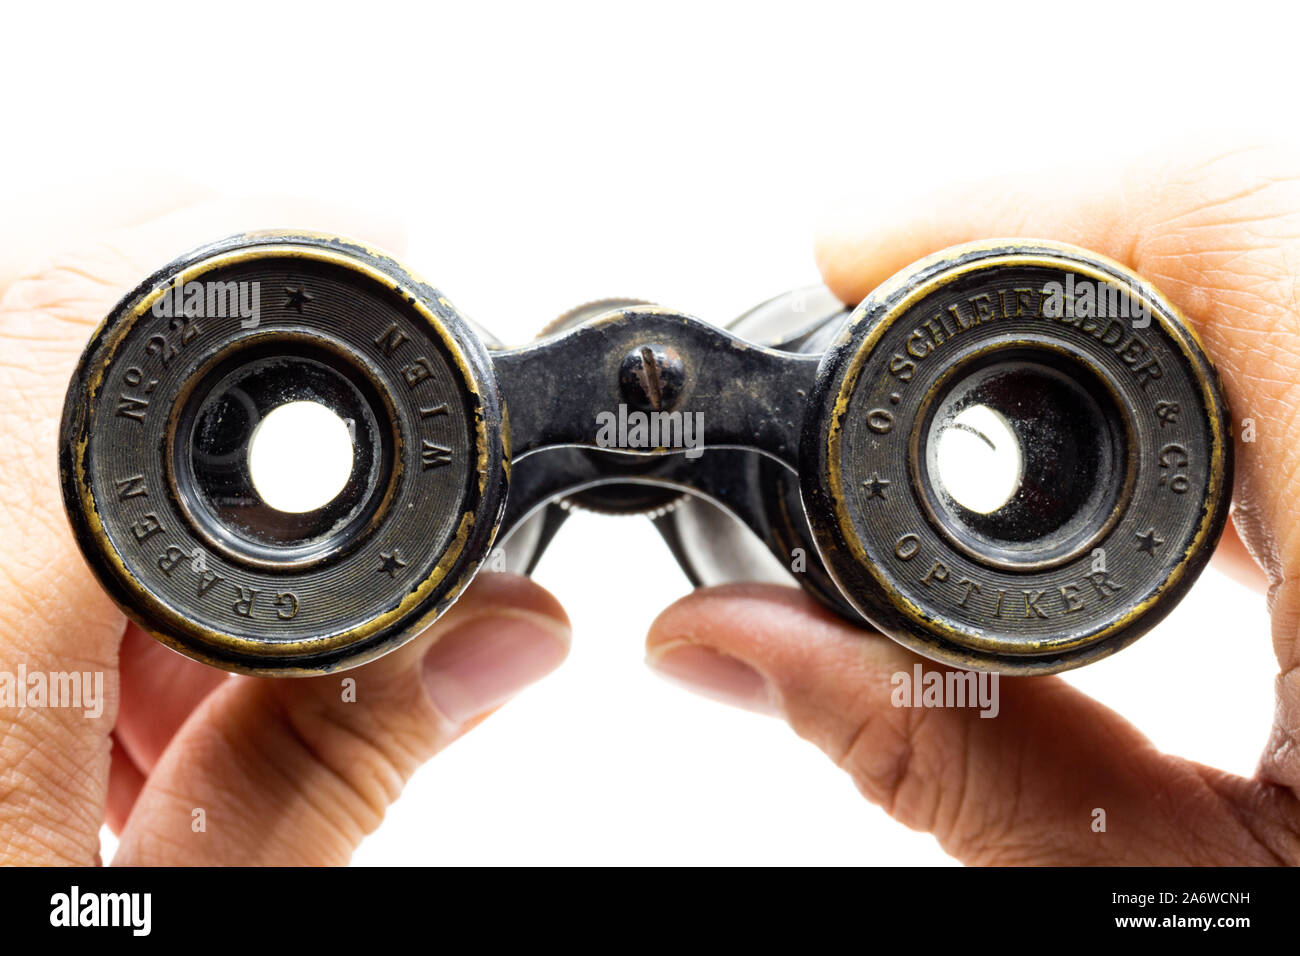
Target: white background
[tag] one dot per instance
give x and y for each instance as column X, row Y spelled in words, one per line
column 543, row 156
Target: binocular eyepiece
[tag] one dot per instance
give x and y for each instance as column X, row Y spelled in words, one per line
column 1013, row 455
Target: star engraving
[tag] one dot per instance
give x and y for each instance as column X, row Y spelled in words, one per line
column 1149, row 542
column 297, row 298
column 390, row 563
column 875, row 486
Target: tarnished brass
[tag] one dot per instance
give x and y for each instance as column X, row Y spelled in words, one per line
column 1126, row 472
column 154, row 454
column 815, row 448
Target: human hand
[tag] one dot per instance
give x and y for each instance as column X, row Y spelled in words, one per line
column 283, row 771
column 1221, row 238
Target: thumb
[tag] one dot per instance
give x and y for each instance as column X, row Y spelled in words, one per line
column 297, row 772
column 1014, row 780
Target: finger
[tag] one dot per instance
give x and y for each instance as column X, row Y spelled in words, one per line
column 291, row 772
column 1234, row 559
column 125, row 781
column 53, row 617
column 38, row 225
column 1220, row 236
column 160, row 689
column 1020, row 786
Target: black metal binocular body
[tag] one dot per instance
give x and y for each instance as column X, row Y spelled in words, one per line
column 1013, row 455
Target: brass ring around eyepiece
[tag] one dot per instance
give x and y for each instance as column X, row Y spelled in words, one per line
column 1099, row 479
column 157, row 439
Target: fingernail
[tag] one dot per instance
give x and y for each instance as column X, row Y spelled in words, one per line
column 717, row 676
column 487, row 660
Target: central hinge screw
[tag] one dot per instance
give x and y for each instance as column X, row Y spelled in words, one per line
column 651, row 377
